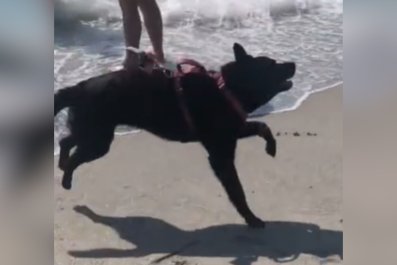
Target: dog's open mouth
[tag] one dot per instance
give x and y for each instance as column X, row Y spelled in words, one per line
column 286, row 85
column 288, row 71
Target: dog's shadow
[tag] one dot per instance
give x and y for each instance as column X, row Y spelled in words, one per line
column 279, row 241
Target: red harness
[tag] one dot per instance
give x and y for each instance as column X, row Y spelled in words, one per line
column 187, row 66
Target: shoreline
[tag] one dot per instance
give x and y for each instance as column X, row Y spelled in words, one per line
column 301, row 100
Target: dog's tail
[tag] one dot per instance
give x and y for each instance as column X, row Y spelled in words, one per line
column 66, row 97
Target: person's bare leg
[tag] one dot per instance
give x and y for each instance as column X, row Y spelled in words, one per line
column 132, row 30
column 154, row 26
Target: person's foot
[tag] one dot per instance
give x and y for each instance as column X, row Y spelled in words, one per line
column 162, row 62
column 131, row 61
column 157, row 57
column 145, row 60
column 134, row 61
column 160, row 57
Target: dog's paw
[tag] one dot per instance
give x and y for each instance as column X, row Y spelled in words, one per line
column 256, row 223
column 67, row 183
column 271, row 148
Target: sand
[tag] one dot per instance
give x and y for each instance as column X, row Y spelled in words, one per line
column 155, row 202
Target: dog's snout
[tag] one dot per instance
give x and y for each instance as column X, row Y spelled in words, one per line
column 286, row 70
column 291, row 69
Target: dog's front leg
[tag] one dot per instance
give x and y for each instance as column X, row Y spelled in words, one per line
column 221, row 158
column 256, row 128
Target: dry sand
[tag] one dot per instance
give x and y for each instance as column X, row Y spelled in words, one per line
column 153, row 201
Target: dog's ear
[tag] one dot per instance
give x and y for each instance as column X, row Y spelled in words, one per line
column 239, row 53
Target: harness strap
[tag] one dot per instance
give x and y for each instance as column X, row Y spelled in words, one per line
column 234, row 103
column 183, row 106
column 228, row 95
column 196, row 67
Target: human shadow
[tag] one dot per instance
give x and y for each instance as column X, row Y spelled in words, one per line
column 279, row 241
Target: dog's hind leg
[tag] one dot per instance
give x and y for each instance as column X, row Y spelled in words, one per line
column 66, row 144
column 221, row 158
column 85, row 152
column 81, row 156
column 256, row 128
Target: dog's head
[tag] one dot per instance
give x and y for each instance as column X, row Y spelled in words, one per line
column 256, row 80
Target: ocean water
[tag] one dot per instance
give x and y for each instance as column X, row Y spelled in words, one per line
column 89, row 40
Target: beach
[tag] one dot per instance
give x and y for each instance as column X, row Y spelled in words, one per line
column 150, row 201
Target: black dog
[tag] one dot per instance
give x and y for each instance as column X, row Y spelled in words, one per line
column 150, row 102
